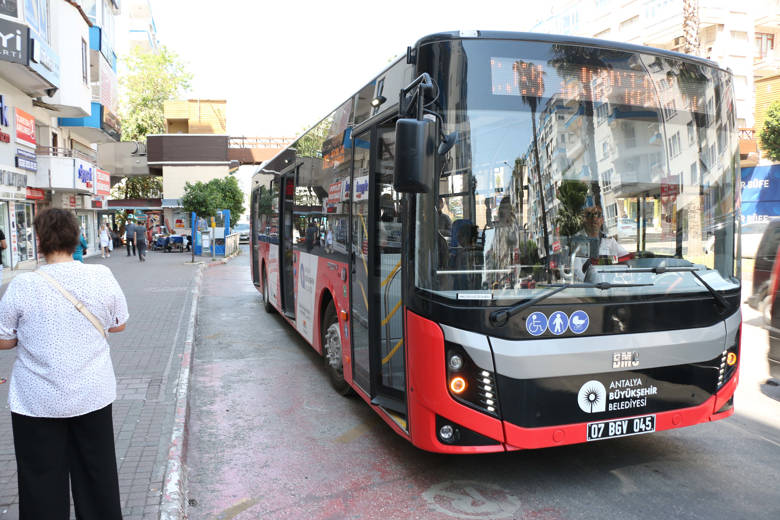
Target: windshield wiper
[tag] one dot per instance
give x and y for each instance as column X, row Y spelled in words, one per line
column 501, row 316
column 660, row 269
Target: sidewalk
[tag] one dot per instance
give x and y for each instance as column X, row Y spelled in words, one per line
column 147, row 357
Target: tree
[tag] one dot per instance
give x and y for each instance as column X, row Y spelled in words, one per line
column 770, row 133
column 205, row 199
column 138, row 187
column 572, row 195
column 152, row 79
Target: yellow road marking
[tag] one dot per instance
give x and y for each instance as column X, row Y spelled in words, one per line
column 353, row 433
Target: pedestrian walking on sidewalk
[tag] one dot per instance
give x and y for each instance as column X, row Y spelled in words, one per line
column 81, row 248
column 105, row 241
column 140, row 241
column 62, row 383
column 130, row 235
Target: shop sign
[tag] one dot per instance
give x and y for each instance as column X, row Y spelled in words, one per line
column 334, row 192
column 102, row 182
column 85, row 174
column 4, row 138
column 26, row 160
column 14, row 38
column 25, row 128
column 44, row 60
column 35, row 194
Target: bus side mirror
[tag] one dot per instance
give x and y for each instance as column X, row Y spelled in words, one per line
column 415, row 154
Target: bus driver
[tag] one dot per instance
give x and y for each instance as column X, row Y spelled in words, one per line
column 600, row 245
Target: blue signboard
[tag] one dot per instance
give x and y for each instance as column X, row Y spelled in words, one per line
column 760, row 193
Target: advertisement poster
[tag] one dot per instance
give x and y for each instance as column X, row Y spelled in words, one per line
column 304, row 304
column 103, row 183
column 25, row 128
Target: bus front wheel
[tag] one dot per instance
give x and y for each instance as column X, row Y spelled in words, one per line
column 330, row 335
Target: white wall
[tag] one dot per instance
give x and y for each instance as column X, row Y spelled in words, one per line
column 174, row 178
column 68, row 30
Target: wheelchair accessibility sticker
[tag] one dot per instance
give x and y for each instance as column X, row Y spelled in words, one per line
column 536, row 324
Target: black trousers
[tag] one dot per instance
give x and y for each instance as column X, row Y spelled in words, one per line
column 49, row 452
column 130, row 242
column 141, row 249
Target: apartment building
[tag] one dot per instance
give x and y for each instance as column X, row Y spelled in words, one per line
column 50, row 82
column 727, row 32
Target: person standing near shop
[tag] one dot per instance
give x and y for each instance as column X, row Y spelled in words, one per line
column 130, row 235
column 63, row 384
column 3, row 246
column 139, row 232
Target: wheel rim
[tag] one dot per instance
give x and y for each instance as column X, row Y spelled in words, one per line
column 333, row 346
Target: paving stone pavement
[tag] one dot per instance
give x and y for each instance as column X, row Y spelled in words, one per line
column 147, row 357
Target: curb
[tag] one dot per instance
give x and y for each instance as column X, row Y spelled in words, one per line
column 173, row 505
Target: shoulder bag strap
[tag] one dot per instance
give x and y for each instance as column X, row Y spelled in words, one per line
column 72, row 299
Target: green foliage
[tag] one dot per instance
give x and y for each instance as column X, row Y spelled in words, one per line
column 265, row 202
column 139, row 187
column 310, row 144
column 152, row 79
column 205, row 199
column 572, row 195
column 770, row 133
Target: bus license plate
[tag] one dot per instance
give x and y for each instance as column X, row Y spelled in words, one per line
column 621, row 427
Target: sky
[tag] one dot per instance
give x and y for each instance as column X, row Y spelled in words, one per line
column 283, row 65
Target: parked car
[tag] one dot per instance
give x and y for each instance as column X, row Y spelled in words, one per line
column 772, row 320
column 242, row 228
column 764, row 260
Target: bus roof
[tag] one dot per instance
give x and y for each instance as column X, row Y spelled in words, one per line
column 562, row 39
column 519, row 36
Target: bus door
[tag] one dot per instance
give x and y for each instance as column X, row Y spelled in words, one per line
column 377, row 232
column 286, row 254
column 254, row 230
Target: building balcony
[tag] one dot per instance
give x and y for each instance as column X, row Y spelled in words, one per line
column 62, row 168
column 101, row 126
column 123, row 159
column 767, row 65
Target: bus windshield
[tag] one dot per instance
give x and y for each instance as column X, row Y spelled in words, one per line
column 571, row 159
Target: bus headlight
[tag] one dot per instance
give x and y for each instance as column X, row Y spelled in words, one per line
column 728, row 362
column 469, row 384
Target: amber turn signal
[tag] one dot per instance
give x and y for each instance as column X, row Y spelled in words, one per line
column 457, row 385
column 731, row 359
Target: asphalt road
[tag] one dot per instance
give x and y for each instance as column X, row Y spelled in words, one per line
column 268, row 438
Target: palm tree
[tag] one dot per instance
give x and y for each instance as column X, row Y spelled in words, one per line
column 531, row 101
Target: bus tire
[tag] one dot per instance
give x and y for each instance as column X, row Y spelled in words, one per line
column 266, row 302
column 330, row 336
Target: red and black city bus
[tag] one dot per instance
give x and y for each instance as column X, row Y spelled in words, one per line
column 509, row 241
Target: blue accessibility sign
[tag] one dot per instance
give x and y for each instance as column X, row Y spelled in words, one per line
column 558, row 323
column 578, row 322
column 536, row 324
